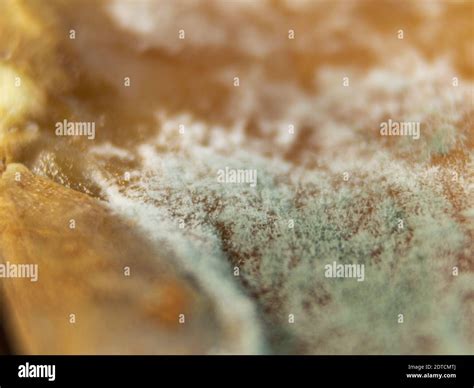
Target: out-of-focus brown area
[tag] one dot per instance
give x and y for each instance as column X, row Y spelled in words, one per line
column 83, row 78
column 82, row 273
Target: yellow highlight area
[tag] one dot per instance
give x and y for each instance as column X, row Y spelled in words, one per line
column 20, row 99
column 19, row 96
column 20, row 15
